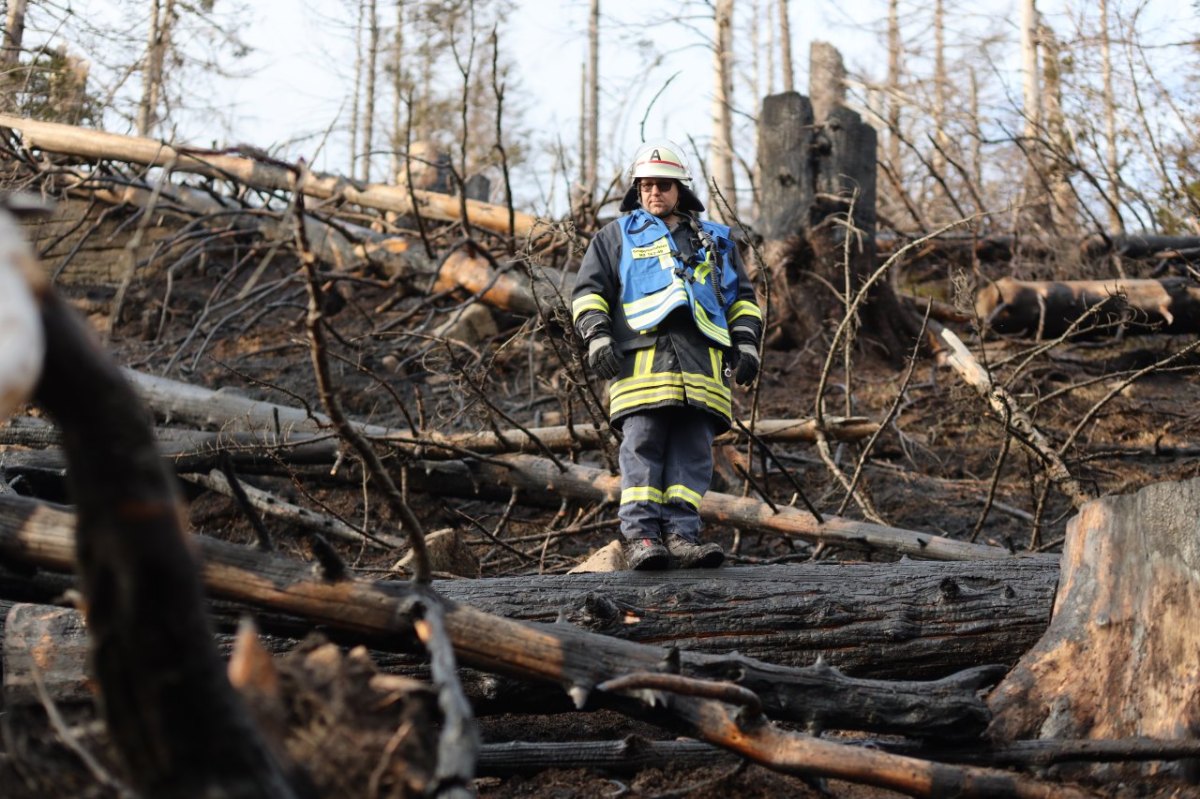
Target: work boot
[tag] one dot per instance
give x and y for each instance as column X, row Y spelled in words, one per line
column 646, row 554
column 691, row 555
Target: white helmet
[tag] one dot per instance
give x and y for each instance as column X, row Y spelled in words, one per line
column 660, row 159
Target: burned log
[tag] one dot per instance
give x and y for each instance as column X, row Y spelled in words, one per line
column 818, row 696
column 999, row 248
column 544, row 481
column 746, row 732
column 1119, row 659
column 1051, row 309
column 909, row 618
column 550, row 481
column 1141, row 245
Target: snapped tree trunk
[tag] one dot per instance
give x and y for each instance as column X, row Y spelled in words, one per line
column 819, row 225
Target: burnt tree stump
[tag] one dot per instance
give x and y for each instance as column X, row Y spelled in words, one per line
column 1121, row 657
column 818, row 191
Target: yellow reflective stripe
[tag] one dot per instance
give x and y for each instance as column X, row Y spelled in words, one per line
column 703, row 269
column 641, row 494
column 744, row 308
column 717, row 334
column 683, row 493
column 643, row 361
column 637, row 399
column 588, row 302
column 633, row 392
column 714, row 363
column 709, row 385
column 719, row 401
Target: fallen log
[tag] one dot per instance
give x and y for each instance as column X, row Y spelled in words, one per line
column 1141, row 245
column 1119, row 659
column 227, row 411
column 347, row 246
column 543, row 480
column 909, row 618
column 819, row 696
column 1049, row 309
column 53, row 137
column 196, row 450
column 1000, row 248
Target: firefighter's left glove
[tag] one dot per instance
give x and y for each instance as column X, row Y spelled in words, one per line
column 745, row 360
column 602, row 357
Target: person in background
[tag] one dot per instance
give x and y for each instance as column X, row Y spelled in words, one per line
column 667, row 313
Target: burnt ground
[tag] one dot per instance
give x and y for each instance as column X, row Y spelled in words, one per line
column 933, row 467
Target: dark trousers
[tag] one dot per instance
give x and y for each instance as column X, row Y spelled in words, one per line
column 666, row 462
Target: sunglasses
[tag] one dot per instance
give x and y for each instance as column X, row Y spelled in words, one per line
column 663, row 186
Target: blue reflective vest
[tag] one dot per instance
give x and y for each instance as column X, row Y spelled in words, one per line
column 655, row 280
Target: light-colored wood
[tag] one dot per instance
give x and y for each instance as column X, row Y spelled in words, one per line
column 1044, row 309
column 100, row 145
column 541, row 478
column 34, row 651
column 1121, row 657
column 953, row 353
column 186, row 403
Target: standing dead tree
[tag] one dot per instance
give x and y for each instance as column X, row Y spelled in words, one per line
column 818, row 200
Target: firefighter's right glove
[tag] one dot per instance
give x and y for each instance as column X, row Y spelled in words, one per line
column 602, row 357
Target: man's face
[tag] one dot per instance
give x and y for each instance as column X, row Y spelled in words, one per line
column 659, row 195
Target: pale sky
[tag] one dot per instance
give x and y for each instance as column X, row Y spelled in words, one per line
column 297, row 81
column 293, row 94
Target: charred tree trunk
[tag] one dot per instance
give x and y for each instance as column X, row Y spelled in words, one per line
column 913, row 618
column 819, row 218
column 1120, row 658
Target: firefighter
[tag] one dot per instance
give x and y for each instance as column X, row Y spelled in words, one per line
column 667, row 313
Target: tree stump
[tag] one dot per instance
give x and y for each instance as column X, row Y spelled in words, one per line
column 812, row 173
column 1121, row 656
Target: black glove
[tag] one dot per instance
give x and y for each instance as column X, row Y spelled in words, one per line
column 602, row 357
column 743, row 358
